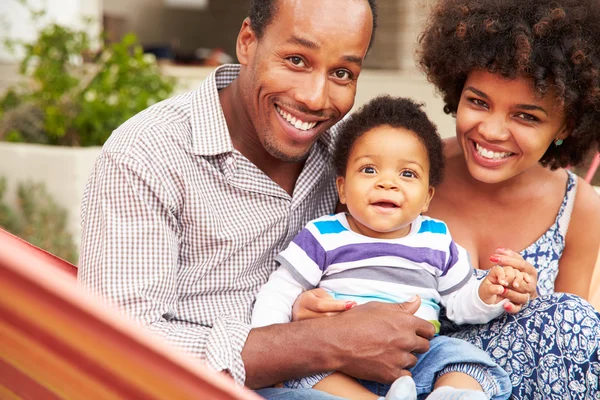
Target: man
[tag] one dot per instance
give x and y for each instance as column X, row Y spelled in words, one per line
column 191, row 199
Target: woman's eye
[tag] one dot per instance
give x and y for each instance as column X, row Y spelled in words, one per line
column 297, row 61
column 368, row 170
column 527, row 117
column 479, row 102
column 343, row 74
column 407, row 174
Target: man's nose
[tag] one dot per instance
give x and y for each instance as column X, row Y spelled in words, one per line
column 314, row 92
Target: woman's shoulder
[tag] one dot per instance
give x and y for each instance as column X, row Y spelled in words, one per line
column 586, row 209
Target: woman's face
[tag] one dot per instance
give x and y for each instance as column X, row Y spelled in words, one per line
column 504, row 126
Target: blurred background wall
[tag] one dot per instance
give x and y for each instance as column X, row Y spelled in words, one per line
column 188, row 37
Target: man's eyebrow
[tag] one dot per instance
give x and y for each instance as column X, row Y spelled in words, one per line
column 353, row 59
column 303, row 42
column 528, row 107
column 314, row 46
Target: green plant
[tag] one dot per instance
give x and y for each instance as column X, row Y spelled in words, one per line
column 75, row 94
column 38, row 220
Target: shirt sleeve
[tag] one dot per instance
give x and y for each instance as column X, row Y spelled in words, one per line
column 459, row 291
column 129, row 253
column 275, row 299
column 304, row 258
column 464, row 306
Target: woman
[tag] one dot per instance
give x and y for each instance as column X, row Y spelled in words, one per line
column 522, row 80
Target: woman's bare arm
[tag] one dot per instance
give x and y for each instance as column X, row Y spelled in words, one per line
column 581, row 244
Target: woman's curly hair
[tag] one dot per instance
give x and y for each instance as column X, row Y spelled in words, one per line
column 554, row 42
column 397, row 112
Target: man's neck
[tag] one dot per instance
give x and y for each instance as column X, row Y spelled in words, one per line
column 246, row 141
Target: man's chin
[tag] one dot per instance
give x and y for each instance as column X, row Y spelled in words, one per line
column 287, row 157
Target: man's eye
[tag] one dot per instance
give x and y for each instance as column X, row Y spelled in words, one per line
column 368, row 170
column 407, row 174
column 297, row 61
column 343, row 74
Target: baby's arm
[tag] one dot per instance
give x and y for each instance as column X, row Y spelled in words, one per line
column 275, row 299
column 459, row 291
column 464, row 306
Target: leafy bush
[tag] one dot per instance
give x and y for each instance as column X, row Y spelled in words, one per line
column 74, row 95
column 38, row 220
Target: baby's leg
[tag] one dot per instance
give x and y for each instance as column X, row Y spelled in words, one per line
column 455, row 385
column 342, row 385
column 458, row 380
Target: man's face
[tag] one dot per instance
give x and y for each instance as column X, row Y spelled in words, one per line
column 300, row 77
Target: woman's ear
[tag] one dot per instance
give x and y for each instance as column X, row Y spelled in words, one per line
column 246, row 43
column 567, row 129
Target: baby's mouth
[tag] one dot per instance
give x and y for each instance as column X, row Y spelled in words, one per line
column 385, row 204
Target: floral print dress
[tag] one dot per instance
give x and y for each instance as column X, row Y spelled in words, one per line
column 550, row 349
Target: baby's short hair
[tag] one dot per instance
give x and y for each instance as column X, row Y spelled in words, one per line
column 396, row 112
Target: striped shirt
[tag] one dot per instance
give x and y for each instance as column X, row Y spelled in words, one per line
column 180, row 230
column 327, row 253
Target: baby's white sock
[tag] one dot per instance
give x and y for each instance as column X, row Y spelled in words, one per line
column 450, row 393
column 403, row 388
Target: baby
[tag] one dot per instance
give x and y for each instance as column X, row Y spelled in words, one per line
column 388, row 160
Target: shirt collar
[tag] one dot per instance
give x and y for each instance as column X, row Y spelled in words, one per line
column 210, row 135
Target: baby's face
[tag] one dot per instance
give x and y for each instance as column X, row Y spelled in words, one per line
column 386, row 185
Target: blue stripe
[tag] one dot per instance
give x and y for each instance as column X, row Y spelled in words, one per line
column 433, row 227
column 326, row 227
column 363, row 251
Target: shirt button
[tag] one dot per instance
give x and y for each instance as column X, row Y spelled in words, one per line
column 230, row 161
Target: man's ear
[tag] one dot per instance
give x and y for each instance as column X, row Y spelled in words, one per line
column 246, row 43
column 340, row 183
column 430, row 194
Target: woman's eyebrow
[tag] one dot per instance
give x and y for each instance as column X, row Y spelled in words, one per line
column 528, row 107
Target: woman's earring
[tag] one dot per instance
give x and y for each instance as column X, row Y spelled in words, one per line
column 558, row 142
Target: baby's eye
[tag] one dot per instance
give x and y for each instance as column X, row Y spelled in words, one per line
column 368, row 170
column 407, row 174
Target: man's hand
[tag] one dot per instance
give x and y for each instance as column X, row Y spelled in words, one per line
column 379, row 341
column 375, row 341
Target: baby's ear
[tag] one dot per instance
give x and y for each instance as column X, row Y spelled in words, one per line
column 430, row 194
column 340, row 182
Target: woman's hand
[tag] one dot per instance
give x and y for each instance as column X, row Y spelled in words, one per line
column 494, row 287
column 317, row 303
column 519, row 288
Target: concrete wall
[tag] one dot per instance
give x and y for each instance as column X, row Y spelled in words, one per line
column 63, row 170
column 219, row 23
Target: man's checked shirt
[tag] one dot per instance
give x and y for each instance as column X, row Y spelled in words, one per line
column 180, row 230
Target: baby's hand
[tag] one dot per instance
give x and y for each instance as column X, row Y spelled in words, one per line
column 495, row 284
column 509, row 258
column 517, row 277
